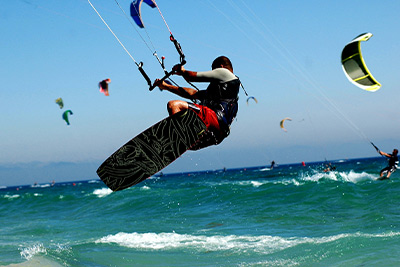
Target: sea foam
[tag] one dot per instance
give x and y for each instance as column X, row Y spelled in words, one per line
column 260, row 244
column 351, row 176
column 102, row 192
column 31, row 251
column 11, row 196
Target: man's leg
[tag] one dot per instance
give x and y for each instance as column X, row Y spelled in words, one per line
column 175, row 106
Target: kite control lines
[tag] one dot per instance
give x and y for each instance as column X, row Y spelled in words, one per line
column 178, row 49
column 376, row 148
column 136, row 9
column 139, row 65
column 169, row 73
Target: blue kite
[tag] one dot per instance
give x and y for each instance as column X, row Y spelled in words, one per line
column 135, row 10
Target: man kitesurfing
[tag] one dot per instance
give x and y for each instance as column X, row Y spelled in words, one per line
column 218, row 103
column 192, row 126
column 392, row 167
column 393, row 162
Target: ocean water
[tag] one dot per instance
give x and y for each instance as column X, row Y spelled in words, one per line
column 288, row 216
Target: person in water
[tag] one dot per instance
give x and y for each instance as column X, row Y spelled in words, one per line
column 329, row 167
column 272, row 164
column 393, row 162
column 218, row 103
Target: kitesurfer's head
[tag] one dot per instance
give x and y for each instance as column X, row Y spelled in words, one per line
column 222, row 62
column 395, row 151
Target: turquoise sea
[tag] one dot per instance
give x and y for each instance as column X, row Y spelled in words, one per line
column 287, row 216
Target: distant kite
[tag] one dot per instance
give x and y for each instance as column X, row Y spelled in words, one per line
column 282, row 122
column 65, row 116
column 60, row 102
column 354, row 66
column 251, row 97
column 103, row 85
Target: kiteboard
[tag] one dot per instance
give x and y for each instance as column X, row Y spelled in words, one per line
column 152, row 150
column 384, row 176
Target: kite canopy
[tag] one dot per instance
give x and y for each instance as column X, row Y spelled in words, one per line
column 65, row 116
column 60, row 102
column 251, row 97
column 103, row 85
column 282, row 122
column 354, row 66
column 136, row 12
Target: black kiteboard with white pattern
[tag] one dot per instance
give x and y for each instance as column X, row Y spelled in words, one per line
column 151, row 151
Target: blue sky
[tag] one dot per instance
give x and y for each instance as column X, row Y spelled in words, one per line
column 287, row 54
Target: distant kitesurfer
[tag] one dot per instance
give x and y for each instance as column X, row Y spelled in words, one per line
column 218, row 103
column 329, row 167
column 272, row 164
column 393, row 162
